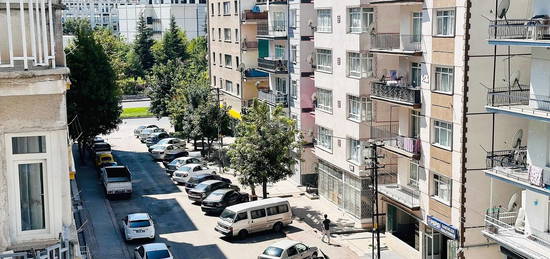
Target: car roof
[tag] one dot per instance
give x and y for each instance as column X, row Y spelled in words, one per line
column 155, row 247
column 138, row 216
column 242, row 206
column 184, row 158
column 158, row 133
column 192, row 165
column 223, row 191
column 201, row 174
column 208, row 182
column 284, row 244
column 101, row 144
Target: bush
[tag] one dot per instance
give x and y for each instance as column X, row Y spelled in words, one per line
column 131, row 86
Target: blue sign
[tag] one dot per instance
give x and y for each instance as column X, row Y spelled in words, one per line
column 443, row 227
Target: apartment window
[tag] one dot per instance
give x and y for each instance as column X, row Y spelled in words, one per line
column 220, row 55
column 324, row 100
column 214, row 80
column 237, row 35
column 445, row 23
column 226, row 8
column 238, row 89
column 227, row 35
column 228, row 86
column 228, row 61
column 294, row 89
column 279, row 21
column 354, row 108
column 213, row 34
column 444, row 79
column 31, row 192
column 354, row 150
column 414, row 172
column 237, row 64
column 324, row 60
column 360, row 19
column 28, row 145
column 280, row 85
column 219, row 9
column 220, row 34
column 212, row 9
column 236, row 6
column 279, row 51
column 324, row 138
column 416, row 74
column 293, row 53
column 442, row 188
column 360, row 65
column 417, row 27
column 292, row 18
column 443, row 134
column 324, row 20
column 415, row 124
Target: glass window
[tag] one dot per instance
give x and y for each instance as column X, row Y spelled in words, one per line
column 354, row 108
column 293, row 54
column 220, row 34
column 241, row 216
column 417, row 27
column 31, row 192
column 354, row 150
column 292, row 18
column 324, row 138
column 237, row 35
column 28, row 145
column 291, row 251
column 324, row 60
column 415, row 124
column 445, row 20
column 413, row 174
column 282, row 208
column 227, row 34
column 279, row 21
column 324, row 100
column 257, row 214
column 280, row 85
column 213, row 34
column 442, row 188
column 272, row 211
column 294, row 89
column 443, row 134
column 444, row 79
column 366, row 109
column 324, row 20
column 360, row 19
column 228, row 86
column 279, row 51
column 226, row 8
column 416, row 74
column 360, row 65
column 228, row 61
column 236, row 6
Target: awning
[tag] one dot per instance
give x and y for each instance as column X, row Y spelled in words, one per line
column 234, row 114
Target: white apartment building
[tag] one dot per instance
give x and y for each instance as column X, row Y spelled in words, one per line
column 102, row 13
column 190, row 16
column 35, row 197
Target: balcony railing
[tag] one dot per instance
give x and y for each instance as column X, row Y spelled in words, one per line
column 273, row 97
column 405, row 195
column 276, row 29
column 249, row 15
column 275, row 65
column 394, row 142
column 519, row 100
column 395, row 1
column 396, row 43
column 534, row 29
column 245, row 45
column 397, row 93
column 29, row 34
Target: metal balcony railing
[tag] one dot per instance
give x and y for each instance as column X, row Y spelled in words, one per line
column 525, row 29
column 275, row 29
column 396, row 42
column 406, row 195
column 516, row 97
column 275, row 65
column 28, row 28
column 392, row 140
column 397, row 93
column 513, row 159
column 249, row 15
column 273, row 97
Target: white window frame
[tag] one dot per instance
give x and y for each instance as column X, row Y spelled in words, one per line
column 444, row 74
column 294, row 89
column 364, row 62
column 445, row 17
column 324, row 60
column 359, row 109
column 324, row 138
column 324, row 100
column 294, row 54
column 354, row 150
column 279, row 51
column 229, row 86
column 324, row 20
column 365, row 16
column 416, row 20
column 227, row 34
column 439, row 129
column 228, row 61
column 442, row 188
column 414, row 174
column 226, row 8
column 293, row 18
column 279, row 21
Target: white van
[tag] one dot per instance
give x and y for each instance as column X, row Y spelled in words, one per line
column 249, row 217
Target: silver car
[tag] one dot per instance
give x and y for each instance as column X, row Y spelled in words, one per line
column 289, row 249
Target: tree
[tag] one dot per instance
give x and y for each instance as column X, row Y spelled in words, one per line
column 172, row 46
column 263, row 149
column 72, row 25
column 142, row 49
column 210, row 120
column 94, row 97
column 116, row 50
column 163, row 80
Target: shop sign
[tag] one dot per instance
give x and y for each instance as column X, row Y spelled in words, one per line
column 443, row 227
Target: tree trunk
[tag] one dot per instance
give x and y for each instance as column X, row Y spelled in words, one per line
column 264, row 188
column 252, row 189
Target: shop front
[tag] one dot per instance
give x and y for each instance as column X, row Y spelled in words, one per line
column 440, row 240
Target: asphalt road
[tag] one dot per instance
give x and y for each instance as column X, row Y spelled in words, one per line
column 179, row 223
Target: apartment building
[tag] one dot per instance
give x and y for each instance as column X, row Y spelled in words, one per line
column 190, row 16
column 36, row 218
column 102, row 13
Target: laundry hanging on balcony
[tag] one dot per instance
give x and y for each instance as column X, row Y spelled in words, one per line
column 535, row 176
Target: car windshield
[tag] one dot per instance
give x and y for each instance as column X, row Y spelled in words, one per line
column 140, row 223
column 201, row 187
column 273, row 251
column 174, row 162
column 158, row 254
column 228, row 215
column 216, row 196
column 163, row 141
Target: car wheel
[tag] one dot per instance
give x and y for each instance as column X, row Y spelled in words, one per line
column 314, row 255
column 242, row 234
column 278, row 227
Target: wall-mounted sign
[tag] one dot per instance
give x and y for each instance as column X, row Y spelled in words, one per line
column 443, row 227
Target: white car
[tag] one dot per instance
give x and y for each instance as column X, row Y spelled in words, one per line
column 145, row 133
column 289, row 249
column 173, row 166
column 138, row 226
column 138, row 130
column 164, row 141
column 153, row 251
column 180, row 176
column 167, row 149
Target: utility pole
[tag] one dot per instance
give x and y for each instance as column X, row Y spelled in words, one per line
column 373, row 165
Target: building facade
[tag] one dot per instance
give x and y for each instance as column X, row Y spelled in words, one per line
column 35, row 195
column 100, row 13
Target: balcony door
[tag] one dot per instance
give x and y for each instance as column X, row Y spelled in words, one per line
column 432, row 245
column 416, row 74
column 416, row 27
column 280, row 85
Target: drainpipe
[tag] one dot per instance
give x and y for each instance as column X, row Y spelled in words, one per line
column 288, row 57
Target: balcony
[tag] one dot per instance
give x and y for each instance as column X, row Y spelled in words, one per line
column 408, row 196
column 252, row 16
column 273, row 65
column 276, row 30
column 502, row 228
column 246, row 45
column 254, row 73
column 395, row 2
column 519, row 102
column 394, row 92
column 393, row 142
column 273, row 98
column 534, row 32
column 276, row 2
column 397, row 44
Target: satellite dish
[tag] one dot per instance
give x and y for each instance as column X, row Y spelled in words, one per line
column 513, row 202
column 257, row 84
column 241, row 67
column 503, row 8
column 516, row 141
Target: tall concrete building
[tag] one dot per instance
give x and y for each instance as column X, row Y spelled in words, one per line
column 35, row 198
column 102, row 13
column 190, row 16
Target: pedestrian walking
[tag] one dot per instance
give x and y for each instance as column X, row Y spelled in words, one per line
column 326, row 229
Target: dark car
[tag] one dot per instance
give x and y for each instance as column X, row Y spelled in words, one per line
column 98, row 140
column 196, row 179
column 219, row 199
column 101, row 147
column 202, row 190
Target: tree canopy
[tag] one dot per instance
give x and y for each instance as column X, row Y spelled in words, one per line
column 143, row 56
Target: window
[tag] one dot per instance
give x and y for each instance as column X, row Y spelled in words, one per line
column 257, row 213
column 415, row 124
column 354, row 108
column 279, row 51
column 237, row 35
column 228, row 86
column 442, row 188
column 219, row 9
column 360, row 19
column 220, row 34
column 28, row 145
column 237, row 63
column 444, row 79
column 324, row 138
column 212, row 9
column 226, row 8
column 282, row 208
column 414, row 171
column 416, row 74
column 354, row 150
column 280, row 85
column 241, row 216
column 443, row 134
column 417, row 27
column 360, row 65
column 324, row 100
column 279, row 21
column 292, row 18
column 236, row 6
column 228, row 61
column 213, row 34
column 227, row 34
column 294, row 89
column 324, row 60
column 31, row 192
column 220, row 55
column 214, row 58
column 238, row 89
column 324, row 20
column 445, row 22
column 214, row 80
column 293, row 54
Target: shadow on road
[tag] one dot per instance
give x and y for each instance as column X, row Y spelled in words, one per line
column 262, row 236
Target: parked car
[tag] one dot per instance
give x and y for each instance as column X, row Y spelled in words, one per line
column 198, row 178
column 145, row 133
column 182, row 174
column 171, row 167
column 219, row 199
column 202, row 190
column 101, row 147
column 289, row 249
column 98, row 140
column 161, row 151
column 155, row 138
column 175, row 141
column 242, row 219
column 138, row 226
column 138, row 130
column 117, row 180
column 103, row 158
column 153, row 251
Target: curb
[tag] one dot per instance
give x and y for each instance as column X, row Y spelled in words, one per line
column 115, row 224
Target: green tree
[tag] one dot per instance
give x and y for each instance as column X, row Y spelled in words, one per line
column 94, row 97
column 172, row 46
column 142, row 49
column 210, row 120
column 72, row 25
column 163, row 80
column 116, row 49
column 263, row 149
